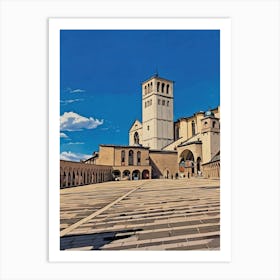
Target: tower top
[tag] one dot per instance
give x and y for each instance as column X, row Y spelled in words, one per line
column 156, row 76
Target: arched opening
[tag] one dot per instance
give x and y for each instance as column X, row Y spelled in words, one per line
column 138, row 158
column 186, row 164
column 123, row 157
column 158, row 85
column 126, row 175
column 136, row 175
column 213, row 124
column 73, row 179
column 192, row 164
column 167, row 88
column 193, row 128
column 162, row 87
column 130, row 157
column 136, row 138
column 64, row 180
column 116, row 175
column 81, row 178
column 145, row 174
column 198, row 164
column 69, row 179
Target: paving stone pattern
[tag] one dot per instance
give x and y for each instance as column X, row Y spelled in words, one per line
column 155, row 215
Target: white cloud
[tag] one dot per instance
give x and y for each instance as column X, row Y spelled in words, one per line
column 71, row 121
column 73, row 156
column 77, row 90
column 69, row 101
column 63, row 135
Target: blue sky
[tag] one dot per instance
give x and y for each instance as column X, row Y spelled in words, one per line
column 101, row 73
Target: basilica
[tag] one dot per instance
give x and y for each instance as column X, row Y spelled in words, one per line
column 159, row 147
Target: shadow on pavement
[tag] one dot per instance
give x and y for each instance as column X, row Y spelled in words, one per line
column 95, row 240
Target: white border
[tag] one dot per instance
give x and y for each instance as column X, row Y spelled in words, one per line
column 222, row 24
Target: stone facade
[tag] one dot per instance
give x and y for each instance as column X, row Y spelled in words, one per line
column 164, row 164
column 128, row 162
column 157, row 114
column 211, row 169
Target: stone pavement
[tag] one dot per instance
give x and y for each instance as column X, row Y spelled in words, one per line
column 141, row 215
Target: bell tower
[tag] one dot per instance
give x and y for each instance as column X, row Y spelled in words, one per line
column 157, row 112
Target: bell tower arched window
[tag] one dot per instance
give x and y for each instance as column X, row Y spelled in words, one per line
column 162, row 87
column 158, row 85
column 167, row 88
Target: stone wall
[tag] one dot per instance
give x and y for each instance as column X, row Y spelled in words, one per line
column 164, row 164
column 77, row 174
column 211, row 169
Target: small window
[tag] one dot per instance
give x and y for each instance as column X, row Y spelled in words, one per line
column 214, row 124
column 205, row 123
column 167, row 103
column 123, row 157
column 151, row 102
column 162, row 87
column 158, row 85
column 148, row 127
column 138, row 158
column 167, row 88
column 163, row 102
column 193, row 128
column 158, row 101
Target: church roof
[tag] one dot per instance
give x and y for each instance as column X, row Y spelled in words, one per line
column 136, row 121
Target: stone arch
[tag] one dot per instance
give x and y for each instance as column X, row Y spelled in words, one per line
column 126, row 174
column 198, row 165
column 116, row 175
column 69, row 179
column 186, row 163
column 136, row 175
column 73, row 178
column 145, row 174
